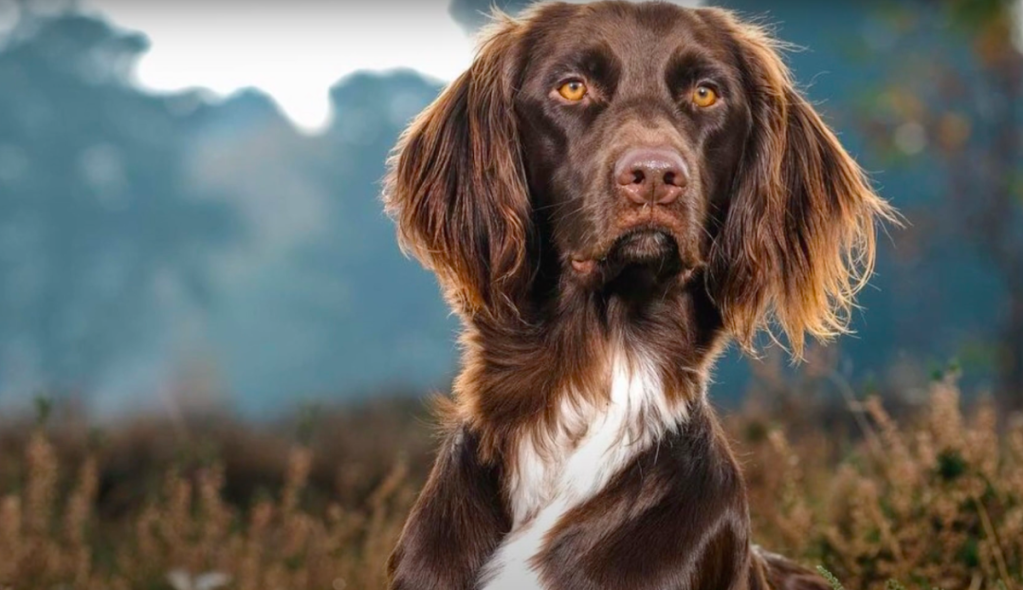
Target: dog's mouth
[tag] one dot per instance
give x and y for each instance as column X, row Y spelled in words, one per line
column 651, row 252
column 644, row 247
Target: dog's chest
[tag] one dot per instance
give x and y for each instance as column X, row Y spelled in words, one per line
column 574, row 462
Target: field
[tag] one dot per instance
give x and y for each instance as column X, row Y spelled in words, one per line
column 932, row 497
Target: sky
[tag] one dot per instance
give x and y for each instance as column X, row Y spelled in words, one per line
column 295, row 51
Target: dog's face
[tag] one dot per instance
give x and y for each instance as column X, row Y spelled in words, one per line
column 631, row 124
column 606, row 145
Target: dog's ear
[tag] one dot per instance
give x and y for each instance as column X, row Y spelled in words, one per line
column 456, row 186
column 797, row 241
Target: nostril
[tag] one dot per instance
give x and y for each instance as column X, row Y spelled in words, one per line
column 632, row 177
column 670, row 177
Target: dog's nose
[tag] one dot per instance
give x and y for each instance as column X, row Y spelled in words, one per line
column 651, row 175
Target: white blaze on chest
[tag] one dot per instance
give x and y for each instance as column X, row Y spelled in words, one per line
column 590, row 446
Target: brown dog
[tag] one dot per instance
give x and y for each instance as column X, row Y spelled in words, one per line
column 608, row 195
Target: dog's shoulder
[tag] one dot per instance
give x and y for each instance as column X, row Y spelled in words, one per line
column 455, row 524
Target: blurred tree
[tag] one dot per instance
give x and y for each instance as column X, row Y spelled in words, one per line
column 319, row 299
column 997, row 220
column 958, row 110
column 98, row 227
column 116, row 204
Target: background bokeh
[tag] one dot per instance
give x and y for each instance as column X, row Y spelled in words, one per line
column 213, row 355
column 182, row 248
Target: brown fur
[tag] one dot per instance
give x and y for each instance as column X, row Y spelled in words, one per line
column 799, row 241
column 465, row 212
column 500, row 193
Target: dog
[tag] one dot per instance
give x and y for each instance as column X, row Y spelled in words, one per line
column 610, row 195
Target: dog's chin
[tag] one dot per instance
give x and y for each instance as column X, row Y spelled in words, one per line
column 648, row 255
column 644, row 247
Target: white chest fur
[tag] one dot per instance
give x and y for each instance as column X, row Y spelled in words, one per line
column 591, row 445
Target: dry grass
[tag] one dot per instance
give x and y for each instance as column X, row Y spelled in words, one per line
column 935, row 500
column 154, row 506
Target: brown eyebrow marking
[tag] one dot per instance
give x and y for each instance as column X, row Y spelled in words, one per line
column 689, row 67
column 598, row 63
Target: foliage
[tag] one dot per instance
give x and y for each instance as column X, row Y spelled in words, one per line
column 63, row 524
column 934, row 499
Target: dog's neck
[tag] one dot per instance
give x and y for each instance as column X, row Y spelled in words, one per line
column 532, row 390
column 564, row 406
column 594, row 437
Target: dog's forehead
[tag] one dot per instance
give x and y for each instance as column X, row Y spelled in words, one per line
column 637, row 34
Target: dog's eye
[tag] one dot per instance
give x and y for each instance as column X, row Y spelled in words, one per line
column 704, row 96
column 573, row 91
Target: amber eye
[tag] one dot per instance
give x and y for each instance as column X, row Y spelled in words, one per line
column 704, row 96
column 573, row 91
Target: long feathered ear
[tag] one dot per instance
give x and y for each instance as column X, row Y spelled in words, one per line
column 456, row 186
column 798, row 237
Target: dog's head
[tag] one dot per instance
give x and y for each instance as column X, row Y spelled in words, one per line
column 599, row 147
